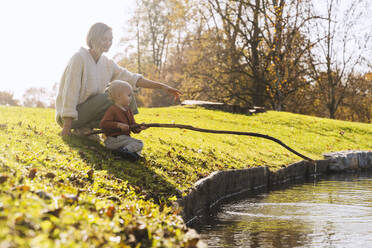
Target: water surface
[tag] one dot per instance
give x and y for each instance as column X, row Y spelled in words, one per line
column 333, row 212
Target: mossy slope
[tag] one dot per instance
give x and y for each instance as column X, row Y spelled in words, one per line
column 73, row 192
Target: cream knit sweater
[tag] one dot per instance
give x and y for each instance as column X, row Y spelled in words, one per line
column 83, row 77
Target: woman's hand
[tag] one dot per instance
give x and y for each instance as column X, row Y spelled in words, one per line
column 66, row 131
column 146, row 83
column 123, row 127
column 172, row 91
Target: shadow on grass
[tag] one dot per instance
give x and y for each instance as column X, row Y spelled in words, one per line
column 138, row 174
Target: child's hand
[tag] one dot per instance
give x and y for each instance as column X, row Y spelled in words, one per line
column 143, row 126
column 123, row 127
column 139, row 128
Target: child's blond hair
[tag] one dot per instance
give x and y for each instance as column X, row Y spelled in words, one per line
column 115, row 86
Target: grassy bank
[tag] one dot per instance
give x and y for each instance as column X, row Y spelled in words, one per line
column 66, row 192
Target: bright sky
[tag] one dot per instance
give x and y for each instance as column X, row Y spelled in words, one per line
column 38, row 37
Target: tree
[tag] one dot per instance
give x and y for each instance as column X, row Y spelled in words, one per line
column 287, row 46
column 260, row 49
column 335, row 59
column 52, row 96
column 238, row 24
column 287, row 55
column 7, row 98
column 357, row 104
column 35, row 97
column 157, row 27
column 155, row 22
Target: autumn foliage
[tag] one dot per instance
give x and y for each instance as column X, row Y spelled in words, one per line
column 297, row 56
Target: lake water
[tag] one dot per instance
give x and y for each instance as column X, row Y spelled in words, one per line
column 333, row 212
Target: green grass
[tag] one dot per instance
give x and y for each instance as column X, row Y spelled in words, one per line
column 125, row 203
column 183, row 156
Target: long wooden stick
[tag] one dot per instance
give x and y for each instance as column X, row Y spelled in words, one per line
column 211, row 131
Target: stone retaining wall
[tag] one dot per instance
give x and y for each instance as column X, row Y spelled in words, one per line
column 220, row 186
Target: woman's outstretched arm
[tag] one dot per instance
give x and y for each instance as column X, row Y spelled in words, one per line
column 146, row 83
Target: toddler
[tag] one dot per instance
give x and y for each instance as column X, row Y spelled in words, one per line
column 117, row 120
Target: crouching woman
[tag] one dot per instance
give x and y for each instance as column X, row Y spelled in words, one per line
column 82, row 101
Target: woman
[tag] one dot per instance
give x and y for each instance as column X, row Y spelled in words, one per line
column 81, row 100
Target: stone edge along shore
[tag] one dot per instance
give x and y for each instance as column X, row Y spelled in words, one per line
column 220, row 186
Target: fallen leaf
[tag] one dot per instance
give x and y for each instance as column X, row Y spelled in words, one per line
column 90, row 173
column 50, row 175
column 23, row 188
column 131, row 239
column 82, row 154
column 32, row 173
column 55, row 212
column 115, row 239
column 130, row 209
column 70, row 198
column 43, row 195
column 114, row 198
column 3, row 178
column 110, row 212
column 19, row 219
column 139, row 230
column 22, row 221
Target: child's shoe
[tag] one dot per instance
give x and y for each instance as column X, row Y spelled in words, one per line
column 124, row 153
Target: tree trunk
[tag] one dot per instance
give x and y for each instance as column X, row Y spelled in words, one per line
column 259, row 87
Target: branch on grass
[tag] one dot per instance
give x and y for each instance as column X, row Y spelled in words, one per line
column 211, row 131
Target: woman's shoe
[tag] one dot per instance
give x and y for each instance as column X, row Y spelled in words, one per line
column 83, row 131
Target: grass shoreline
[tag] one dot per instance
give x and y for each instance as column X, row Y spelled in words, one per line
column 74, row 192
